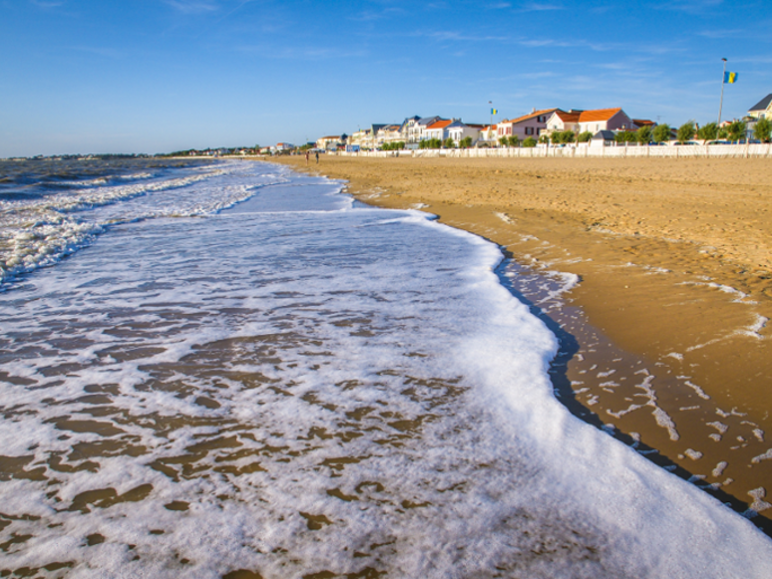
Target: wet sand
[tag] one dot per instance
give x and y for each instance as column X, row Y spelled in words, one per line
column 665, row 338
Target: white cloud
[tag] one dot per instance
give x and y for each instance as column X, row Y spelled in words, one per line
column 540, row 7
column 48, row 3
column 193, row 6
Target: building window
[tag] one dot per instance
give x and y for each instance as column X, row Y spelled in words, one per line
column 541, row 119
column 529, row 130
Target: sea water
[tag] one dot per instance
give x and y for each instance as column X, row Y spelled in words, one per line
column 238, row 373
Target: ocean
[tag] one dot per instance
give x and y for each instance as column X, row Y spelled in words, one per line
column 227, row 369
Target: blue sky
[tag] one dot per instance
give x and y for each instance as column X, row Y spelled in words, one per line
column 83, row 76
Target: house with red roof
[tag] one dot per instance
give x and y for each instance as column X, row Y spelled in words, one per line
column 437, row 130
column 592, row 121
column 639, row 123
column 530, row 125
column 488, row 133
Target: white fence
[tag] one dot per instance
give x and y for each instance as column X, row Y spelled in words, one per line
column 673, row 151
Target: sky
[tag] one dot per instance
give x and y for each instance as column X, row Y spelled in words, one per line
column 151, row 76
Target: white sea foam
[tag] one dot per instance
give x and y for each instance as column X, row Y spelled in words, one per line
column 332, row 392
column 38, row 232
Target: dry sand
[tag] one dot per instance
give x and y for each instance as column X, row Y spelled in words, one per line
column 676, row 267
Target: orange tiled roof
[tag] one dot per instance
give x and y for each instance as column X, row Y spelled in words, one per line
column 439, row 125
column 598, row 115
column 533, row 115
column 568, row 117
column 643, row 122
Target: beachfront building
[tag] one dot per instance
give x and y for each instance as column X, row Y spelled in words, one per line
column 589, row 121
column 458, row 130
column 561, row 121
column 417, row 127
column 437, row 130
column 389, row 134
column 366, row 139
column 281, row 147
column 530, row 125
column 762, row 109
column 604, row 120
column 360, row 139
column 488, row 135
column 328, row 143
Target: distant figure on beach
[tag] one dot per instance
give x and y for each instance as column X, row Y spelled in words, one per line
column 317, row 157
column 307, row 155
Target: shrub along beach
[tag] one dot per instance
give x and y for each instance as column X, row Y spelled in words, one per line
column 675, row 293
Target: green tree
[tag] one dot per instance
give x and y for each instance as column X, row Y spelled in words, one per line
column 531, row 142
column 708, row 132
column 449, row 143
column 644, row 135
column 685, row 132
column 584, row 137
column 763, row 130
column 661, row 133
column 544, row 139
column 567, row 137
column 466, row 142
column 503, row 141
column 736, row 130
column 625, row 137
column 514, row 141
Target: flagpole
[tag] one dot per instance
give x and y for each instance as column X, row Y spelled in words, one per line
column 721, row 104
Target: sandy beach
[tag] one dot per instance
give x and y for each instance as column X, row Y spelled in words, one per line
column 676, row 288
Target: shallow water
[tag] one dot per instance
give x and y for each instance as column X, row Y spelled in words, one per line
column 294, row 387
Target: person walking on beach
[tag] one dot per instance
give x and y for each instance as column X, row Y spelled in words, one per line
column 317, row 157
column 307, row 155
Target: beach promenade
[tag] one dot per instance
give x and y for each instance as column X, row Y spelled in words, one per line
column 675, row 261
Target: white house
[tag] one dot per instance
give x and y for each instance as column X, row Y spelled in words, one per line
column 605, row 120
column 437, row 130
column 488, row 134
column 458, row 131
column 389, row 134
column 415, row 128
column 560, row 121
column 592, row 121
column 326, row 143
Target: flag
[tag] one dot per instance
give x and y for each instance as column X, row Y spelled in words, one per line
column 496, row 111
column 730, row 77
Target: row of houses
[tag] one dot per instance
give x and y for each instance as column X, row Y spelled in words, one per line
column 415, row 129
column 601, row 123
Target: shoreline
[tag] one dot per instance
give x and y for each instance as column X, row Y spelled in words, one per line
column 675, row 313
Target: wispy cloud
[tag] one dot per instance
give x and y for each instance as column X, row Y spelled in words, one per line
column 193, row 6
column 499, row 6
column 721, row 33
column 452, row 35
column 690, row 6
column 302, row 53
column 373, row 15
column 540, row 7
column 48, row 3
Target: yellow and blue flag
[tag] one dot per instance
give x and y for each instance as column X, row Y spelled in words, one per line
column 730, row 77
column 494, row 111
